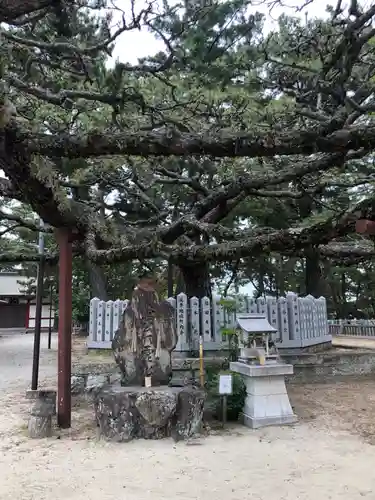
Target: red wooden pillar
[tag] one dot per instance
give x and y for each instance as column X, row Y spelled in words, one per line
column 365, row 226
column 64, row 363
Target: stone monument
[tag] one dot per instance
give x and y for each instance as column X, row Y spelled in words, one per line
column 144, row 406
column 143, row 344
column 267, row 401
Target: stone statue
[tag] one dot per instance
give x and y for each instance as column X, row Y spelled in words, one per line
column 143, row 344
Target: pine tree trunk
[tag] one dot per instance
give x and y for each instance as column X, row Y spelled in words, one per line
column 98, row 282
column 344, row 304
column 313, row 274
column 197, row 279
column 170, row 278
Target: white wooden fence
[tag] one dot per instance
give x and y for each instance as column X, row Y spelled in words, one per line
column 352, row 327
column 300, row 321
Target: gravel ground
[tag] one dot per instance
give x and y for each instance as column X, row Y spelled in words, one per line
column 324, row 456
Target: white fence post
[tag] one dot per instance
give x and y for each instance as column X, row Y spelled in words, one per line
column 272, row 312
column 206, row 319
column 262, row 306
column 218, row 319
column 283, row 322
column 182, row 331
column 295, row 317
column 108, row 332
column 195, row 326
column 300, row 321
column 100, row 321
column 93, row 315
column 117, row 315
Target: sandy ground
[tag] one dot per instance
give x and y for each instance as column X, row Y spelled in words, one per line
column 353, row 342
column 327, row 455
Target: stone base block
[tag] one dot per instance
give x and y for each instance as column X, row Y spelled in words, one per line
column 258, row 422
column 126, row 413
column 40, row 427
column 267, row 402
column 41, row 412
column 43, row 397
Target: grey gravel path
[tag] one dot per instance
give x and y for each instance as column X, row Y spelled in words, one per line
column 16, row 354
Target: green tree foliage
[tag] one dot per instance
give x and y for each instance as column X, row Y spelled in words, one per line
column 233, row 150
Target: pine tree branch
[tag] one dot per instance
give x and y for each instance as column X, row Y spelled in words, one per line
column 11, row 10
column 348, row 252
column 19, row 257
column 7, row 190
column 219, row 145
column 33, row 226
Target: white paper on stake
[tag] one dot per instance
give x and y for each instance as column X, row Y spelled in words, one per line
column 225, row 384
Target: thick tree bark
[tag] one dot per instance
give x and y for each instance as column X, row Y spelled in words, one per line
column 313, row 274
column 344, row 305
column 280, row 277
column 170, row 278
column 221, row 145
column 10, row 10
column 180, row 284
column 261, row 279
column 197, row 279
column 98, row 283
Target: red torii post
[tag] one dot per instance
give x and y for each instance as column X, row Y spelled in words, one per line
column 365, row 226
column 64, row 361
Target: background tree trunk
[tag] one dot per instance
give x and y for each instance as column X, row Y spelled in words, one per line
column 170, row 279
column 196, row 279
column 98, row 282
column 313, row 274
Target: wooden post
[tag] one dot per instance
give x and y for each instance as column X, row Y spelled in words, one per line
column 225, row 409
column 38, row 311
column 65, row 329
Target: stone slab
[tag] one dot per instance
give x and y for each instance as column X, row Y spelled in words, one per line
column 267, row 370
column 41, row 393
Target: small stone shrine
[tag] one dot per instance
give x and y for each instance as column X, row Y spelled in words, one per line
column 144, row 406
column 267, row 401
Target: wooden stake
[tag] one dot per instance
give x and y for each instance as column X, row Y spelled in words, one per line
column 225, row 409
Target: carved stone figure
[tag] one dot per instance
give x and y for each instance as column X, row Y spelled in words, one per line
column 143, row 344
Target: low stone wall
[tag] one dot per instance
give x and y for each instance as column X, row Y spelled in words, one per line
column 323, row 366
column 90, row 378
column 309, row 367
column 324, row 347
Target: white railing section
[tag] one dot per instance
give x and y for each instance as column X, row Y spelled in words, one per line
column 300, row 321
column 352, row 327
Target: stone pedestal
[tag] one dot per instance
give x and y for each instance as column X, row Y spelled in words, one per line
column 126, row 413
column 267, row 401
column 41, row 413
